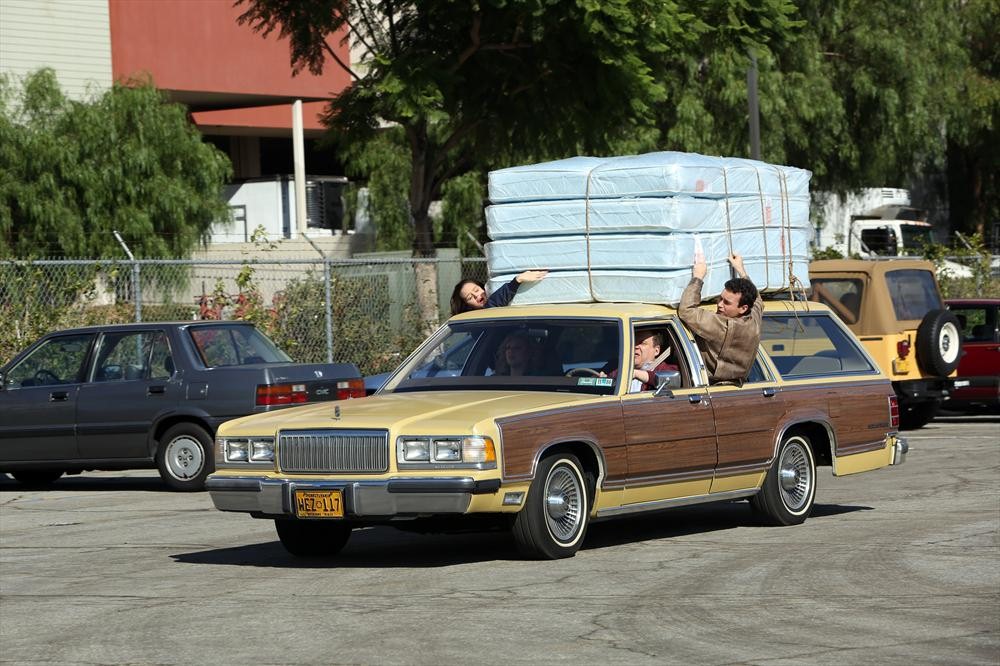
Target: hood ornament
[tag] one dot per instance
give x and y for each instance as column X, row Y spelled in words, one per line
column 336, row 413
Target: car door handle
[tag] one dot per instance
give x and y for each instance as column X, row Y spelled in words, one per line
column 695, row 398
column 58, row 396
column 768, row 392
column 159, row 390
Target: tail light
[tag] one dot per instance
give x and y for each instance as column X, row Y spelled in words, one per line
column 903, row 348
column 352, row 388
column 281, row 394
column 894, row 410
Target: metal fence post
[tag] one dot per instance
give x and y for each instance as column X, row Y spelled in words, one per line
column 137, row 291
column 329, row 311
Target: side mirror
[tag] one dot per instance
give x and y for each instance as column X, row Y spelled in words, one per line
column 667, row 381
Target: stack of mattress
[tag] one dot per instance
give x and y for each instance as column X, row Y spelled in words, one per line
column 628, row 228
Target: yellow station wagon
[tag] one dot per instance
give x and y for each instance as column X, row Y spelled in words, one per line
column 543, row 446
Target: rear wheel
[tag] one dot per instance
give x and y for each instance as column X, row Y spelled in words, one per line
column 553, row 522
column 312, row 538
column 789, row 489
column 36, row 477
column 184, row 457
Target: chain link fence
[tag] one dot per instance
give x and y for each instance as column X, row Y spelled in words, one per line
column 359, row 310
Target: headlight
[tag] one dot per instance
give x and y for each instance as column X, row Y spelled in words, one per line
column 251, row 450
column 262, row 450
column 447, row 450
column 414, row 450
column 471, row 451
column 237, row 450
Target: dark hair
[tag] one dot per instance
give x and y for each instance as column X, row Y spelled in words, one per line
column 458, row 304
column 745, row 288
column 657, row 336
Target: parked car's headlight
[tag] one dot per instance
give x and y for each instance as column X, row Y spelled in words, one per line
column 472, row 451
column 244, row 449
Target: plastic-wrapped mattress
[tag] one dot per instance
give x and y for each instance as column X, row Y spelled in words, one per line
column 634, row 215
column 629, row 228
column 661, row 174
column 641, row 251
column 645, row 286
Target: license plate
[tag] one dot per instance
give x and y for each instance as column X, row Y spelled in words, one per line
column 319, row 504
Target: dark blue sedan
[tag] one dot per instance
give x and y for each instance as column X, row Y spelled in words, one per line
column 143, row 395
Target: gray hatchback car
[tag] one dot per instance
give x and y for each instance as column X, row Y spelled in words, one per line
column 143, row 395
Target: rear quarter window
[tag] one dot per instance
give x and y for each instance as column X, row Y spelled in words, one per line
column 812, row 345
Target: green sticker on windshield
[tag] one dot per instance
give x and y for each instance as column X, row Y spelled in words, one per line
column 586, row 381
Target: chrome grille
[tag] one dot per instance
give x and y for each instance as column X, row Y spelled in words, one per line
column 337, row 451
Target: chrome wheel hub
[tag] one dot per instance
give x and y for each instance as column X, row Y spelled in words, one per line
column 563, row 504
column 184, row 458
column 795, row 477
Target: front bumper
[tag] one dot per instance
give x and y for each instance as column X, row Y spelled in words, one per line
column 395, row 497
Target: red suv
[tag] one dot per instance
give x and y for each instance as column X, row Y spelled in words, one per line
column 980, row 365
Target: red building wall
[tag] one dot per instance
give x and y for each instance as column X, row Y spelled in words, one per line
column 197, row 52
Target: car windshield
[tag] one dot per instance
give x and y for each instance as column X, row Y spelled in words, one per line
column 573, row 355
column 234, row 345
column 916, row 238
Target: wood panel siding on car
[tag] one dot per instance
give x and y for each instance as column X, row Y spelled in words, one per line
column 858, row 412
column 669, row 437
column 523, row 436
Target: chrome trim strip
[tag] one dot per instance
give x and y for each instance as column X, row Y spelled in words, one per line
column 737, row 470
column 864, row 447
column 831, row 437
column 671, row 503
column 693, row 475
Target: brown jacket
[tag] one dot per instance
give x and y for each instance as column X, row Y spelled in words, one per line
column 728, row 345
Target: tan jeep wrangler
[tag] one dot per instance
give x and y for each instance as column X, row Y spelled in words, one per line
column 895, row 309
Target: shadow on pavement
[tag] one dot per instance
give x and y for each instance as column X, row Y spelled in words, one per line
column 387, row 547
column 82, row 482
column 378, row 547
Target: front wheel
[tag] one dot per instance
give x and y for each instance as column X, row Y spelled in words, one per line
column 184, row 457
column 553, row 522
column 312, row 538
column 786, row 498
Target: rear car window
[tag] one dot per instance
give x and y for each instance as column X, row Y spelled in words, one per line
column 913, row 292
column 235, row 345
column 130, row 355
column 978, row 322
column 812, row 345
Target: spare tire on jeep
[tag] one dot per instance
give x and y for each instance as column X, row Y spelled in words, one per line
column 939, row 343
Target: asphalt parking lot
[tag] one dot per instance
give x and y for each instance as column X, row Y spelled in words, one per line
column 899, row 566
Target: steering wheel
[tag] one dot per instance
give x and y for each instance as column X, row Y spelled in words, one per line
column 46, row 377
column 575, row 372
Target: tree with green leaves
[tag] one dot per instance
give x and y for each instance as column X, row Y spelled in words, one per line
column 492, row 82
column 974, row 126
column 72, row 172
